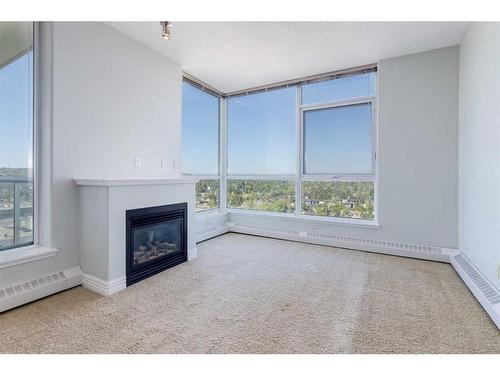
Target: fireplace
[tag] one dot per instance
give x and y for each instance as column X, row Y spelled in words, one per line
column 156, row 240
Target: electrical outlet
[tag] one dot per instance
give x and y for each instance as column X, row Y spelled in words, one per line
column 137, row 162
column 167, row 163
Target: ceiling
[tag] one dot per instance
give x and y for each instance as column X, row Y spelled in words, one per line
column 238, row 55
column 15, row 40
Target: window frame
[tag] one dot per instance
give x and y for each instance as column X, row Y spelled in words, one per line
column 333, row 177
column 35, row 148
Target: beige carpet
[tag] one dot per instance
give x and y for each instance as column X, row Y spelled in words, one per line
column 249, row 294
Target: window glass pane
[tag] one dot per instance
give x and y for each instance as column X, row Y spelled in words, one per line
column 338, row 140
column 207, row 194
column 200, row 132
column 275, row 196
column 261, row 133
column 338, row 199
column 339, row 89
column 16, row 134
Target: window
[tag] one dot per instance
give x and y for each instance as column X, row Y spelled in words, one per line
column 262, row 151
column 200, row 143
column 16, row 135
column 304, row 149
column 346, row 199
column 338, row 140
column 207, row 194
column 338, row 144
column 262, row 195
column 200, row 131
column 334, row 90
column 261, row 133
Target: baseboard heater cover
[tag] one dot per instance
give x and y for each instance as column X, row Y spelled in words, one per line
column 435, row 253
column 31, row 290
column 484, row 291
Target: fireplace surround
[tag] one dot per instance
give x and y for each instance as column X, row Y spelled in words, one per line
column 156, row 240
column 103, row 205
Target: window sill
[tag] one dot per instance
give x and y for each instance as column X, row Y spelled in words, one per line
column 20, row 255
column 317, row 219
column 212, row 213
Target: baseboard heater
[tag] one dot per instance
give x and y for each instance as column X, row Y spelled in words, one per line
column 484, row 291
column 31, row 290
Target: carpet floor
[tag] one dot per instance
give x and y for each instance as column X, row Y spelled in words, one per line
column 247, row 294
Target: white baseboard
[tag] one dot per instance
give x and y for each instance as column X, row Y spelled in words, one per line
column 212, row 232
column 105, row 288
column 484, row 291
column 435, row 253
column 193, row 253
column 31, row 290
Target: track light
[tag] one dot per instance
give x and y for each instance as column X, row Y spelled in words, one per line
column 166, row 28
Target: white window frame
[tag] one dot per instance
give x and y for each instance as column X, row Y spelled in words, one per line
column 330, row 177
column 34, row 149
column 42, row 163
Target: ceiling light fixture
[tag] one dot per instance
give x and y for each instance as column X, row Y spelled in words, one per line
column 166, row 28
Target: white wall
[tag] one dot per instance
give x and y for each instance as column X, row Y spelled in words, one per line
column 113, row 99
column 417, row 154
column 479, row 148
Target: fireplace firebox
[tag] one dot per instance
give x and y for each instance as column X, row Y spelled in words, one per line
column 156, row 240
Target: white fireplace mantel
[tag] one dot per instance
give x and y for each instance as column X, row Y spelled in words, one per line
column 102, row 207
column 133, row 181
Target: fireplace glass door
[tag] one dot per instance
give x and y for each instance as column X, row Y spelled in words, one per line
column 152, row 242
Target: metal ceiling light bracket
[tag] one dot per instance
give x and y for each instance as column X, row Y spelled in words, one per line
column 166, row 28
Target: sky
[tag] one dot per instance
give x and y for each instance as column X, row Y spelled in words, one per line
column 261, row 133
column 262, row 130
column 200, row 132
column 338, row 140
column 16, row 135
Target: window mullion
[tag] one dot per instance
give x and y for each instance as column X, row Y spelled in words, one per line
column 223, row 153
column 298, row 171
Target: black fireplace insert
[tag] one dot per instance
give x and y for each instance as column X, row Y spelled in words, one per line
column 156, row 240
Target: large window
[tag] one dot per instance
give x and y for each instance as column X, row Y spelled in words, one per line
column 304, row 149
column 200, row 143
column 338, row 166
column 262, row 148
column 16, row 134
